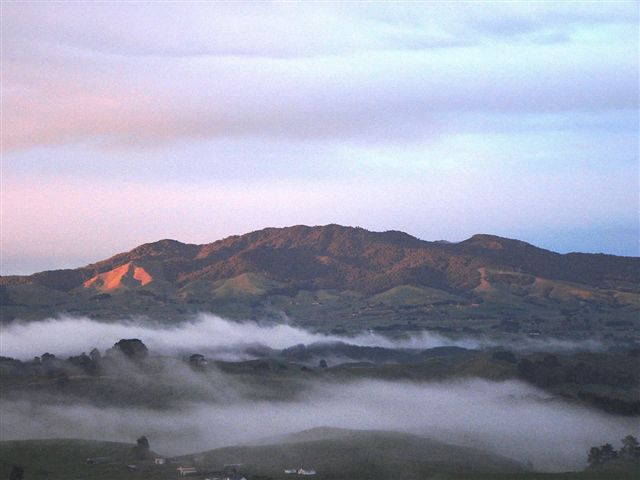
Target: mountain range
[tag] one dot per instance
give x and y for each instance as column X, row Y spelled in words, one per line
column 334, row 270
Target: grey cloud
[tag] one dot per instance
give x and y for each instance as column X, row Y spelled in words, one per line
column 136, row 76
column 378, row 97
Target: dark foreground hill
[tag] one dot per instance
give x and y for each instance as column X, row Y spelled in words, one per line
column 346, row 278
column 354, row 454
column 66, row 459
column 58, row 459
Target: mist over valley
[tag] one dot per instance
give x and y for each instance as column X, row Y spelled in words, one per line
column 266, row 380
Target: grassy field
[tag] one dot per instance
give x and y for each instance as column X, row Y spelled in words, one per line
column 349, row 454
column 67, row 460
column 369, row 455
column 587, row 475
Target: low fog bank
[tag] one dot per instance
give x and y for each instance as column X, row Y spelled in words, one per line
column 182, row 410
column 509, row 418
column 219, row 338
column 206, row 333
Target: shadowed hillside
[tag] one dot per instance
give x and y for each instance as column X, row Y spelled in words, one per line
column 349, row 454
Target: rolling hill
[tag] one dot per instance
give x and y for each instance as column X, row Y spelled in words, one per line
column 352, row 454
column 63, row 459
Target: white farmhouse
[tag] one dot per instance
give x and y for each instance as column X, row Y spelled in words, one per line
column 186, row 471
column 304, row 471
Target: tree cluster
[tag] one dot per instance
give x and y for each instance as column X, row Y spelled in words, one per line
column 544, row 372
column 93, row 364
column 605, row 454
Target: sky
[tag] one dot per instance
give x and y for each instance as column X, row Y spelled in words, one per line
column 128, row 122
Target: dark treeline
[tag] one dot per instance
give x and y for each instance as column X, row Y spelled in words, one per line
column 603, row 380
column 606, row 457
column 94, row 363
column 548, row 372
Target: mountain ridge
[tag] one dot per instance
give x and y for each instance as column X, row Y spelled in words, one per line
column 482, row 244
column 285, row 261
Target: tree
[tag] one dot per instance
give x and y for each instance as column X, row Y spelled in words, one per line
column 143, row 443
column 50, row 364
column 132, row 348
column 95, row 355
column 601, row 455
column 141, row 450
column 47, row 357
column 197, row 361
column 82, row 361
column 595, row 457
column 630, row 447
column 322, row 363
column 607, row 453
column 95, row 363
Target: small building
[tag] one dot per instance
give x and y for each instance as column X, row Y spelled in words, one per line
column 304, row 471
column 187, row 471
column 159, row 461
column 290, row 471
column 225, row 477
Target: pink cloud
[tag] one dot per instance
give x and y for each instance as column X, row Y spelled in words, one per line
column 120, row 76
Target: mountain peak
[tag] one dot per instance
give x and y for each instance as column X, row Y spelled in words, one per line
column 494, row 242
column 162, row 247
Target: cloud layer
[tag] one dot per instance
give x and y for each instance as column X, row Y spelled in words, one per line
column 223, row 339
column 125, row 75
